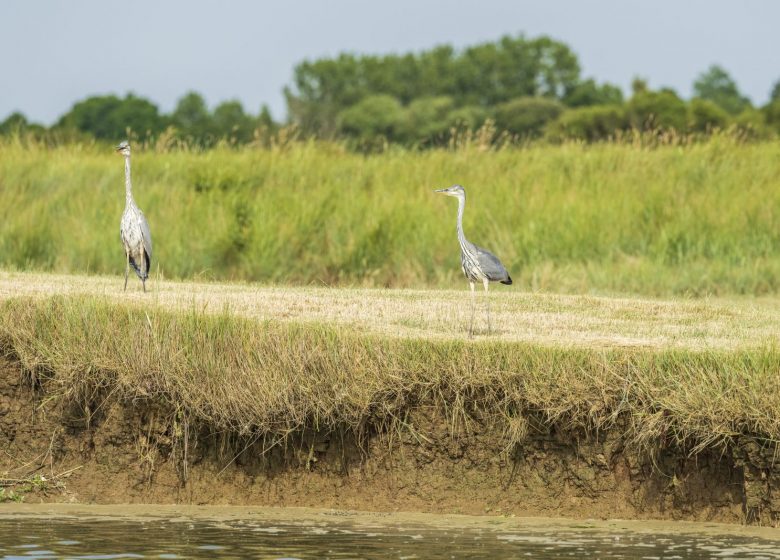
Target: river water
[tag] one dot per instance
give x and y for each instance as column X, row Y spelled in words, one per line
column 29, row 534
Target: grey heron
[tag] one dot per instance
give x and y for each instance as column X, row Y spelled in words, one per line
column 133, row 228
column 478, row 264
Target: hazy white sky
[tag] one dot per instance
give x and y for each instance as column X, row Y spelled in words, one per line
column 56, row 52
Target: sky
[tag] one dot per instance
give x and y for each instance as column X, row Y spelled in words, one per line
column 56, row 52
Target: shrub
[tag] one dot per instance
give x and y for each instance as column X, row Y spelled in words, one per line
column 752, row 123
column 527, row 116
column 772, row 114
column 589, row 93
column 470, row 116
column 598, row 122
column 373, row 116
column 705, row 115
column 650, row 110
column 427, row 118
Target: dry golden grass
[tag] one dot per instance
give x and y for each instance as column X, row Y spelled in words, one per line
column 548, row 319
column 267, row 362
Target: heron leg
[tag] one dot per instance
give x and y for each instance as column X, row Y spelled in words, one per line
column 486, row 283
column 473, row 306
column 127, row 267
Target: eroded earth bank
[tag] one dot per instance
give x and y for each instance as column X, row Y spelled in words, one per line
column 139, row 452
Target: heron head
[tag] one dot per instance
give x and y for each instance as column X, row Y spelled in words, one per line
column 454, row 190
column 124, row 148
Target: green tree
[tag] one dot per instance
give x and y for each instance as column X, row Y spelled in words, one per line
column 140, row 116
column 557, row 67
column 639, row 85
column 590, row 93
column 112, row 118
column 775, row 95
column 493, row 73
column 717, row 86
column 94, row 115
column 265, row 120
column 321, row 90
column 230, row 122
column 429, row 74
column 192, row 119
column 482, row 75
column 15, row 123
column 527, row 116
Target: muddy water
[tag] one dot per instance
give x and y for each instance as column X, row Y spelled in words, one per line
column 29, row 534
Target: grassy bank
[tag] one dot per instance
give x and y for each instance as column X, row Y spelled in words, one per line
column 231, row 372
column 695, row 219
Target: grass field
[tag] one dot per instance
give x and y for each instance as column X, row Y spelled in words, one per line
column 272, row 361
column 613, row 218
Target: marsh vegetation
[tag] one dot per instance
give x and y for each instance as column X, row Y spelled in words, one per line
column 679, row 218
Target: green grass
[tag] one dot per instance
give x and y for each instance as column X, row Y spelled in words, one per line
column 677, row 219
column 229, row 373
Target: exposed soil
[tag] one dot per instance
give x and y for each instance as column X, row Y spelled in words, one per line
column 136, row 452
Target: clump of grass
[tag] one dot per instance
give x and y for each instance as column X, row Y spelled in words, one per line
column 9, row 495
column 694, row 218
column 16, row 489
column 268, row 378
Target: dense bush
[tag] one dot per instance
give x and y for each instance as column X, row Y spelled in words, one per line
column 427, row 118
column 752, row 124
column 651, row 110
column 772, row 114
column 589, row 123
column 705, row 116
column 590, row 93
column 469, row 116
column 377, row 115
column 527, row 116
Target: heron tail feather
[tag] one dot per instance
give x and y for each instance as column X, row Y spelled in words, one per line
column 134, row 265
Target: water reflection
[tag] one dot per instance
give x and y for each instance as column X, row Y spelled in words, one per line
column 45, row 538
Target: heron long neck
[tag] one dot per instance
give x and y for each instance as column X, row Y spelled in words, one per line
column 128, row 185
column 461, row 205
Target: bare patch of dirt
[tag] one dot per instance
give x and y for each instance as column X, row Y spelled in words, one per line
column 135, row 452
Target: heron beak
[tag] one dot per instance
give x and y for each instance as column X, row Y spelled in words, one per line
column 118, row 148
column 441, row 190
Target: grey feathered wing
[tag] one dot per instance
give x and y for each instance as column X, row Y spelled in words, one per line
column 146, row 234
column 492, row 267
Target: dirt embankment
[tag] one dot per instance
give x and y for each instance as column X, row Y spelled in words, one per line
column 135, row 452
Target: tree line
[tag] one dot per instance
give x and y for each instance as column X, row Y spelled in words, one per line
column 109, row 117
column 527, row 88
